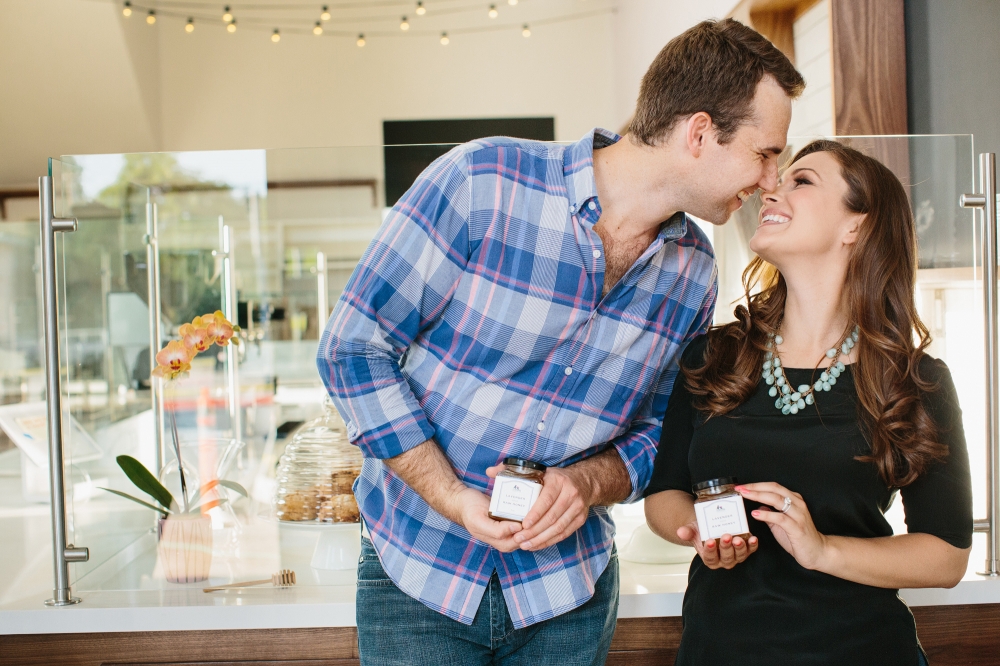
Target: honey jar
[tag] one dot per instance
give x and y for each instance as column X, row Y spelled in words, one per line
column 515, row 489
column 720, row 510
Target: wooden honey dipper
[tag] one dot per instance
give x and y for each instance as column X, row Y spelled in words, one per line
column 284, row 578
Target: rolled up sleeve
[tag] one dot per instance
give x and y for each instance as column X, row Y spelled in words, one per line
column 404, row 281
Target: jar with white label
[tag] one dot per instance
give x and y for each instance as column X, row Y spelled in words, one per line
column 516, row 489
column 720, row 510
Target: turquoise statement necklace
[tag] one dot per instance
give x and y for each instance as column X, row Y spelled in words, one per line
column 789, row 401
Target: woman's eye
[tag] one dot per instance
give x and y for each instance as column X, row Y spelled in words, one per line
column 802, row 180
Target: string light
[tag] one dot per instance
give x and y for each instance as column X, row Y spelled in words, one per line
column 493, row 13
column 227, row 16
column 511, row 2
column 276, row 36
column 405, row 25
column 127, row 10
column 231, row 28
column 189, row 28
column 325, row 16
column 444, row 39
column 318, row 30
column 361, row 40
column 421, row 10
column 526, row 31
column 151, row 17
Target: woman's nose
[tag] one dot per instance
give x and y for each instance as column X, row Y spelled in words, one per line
column 770, row 197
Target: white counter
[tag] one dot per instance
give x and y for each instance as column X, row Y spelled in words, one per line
column 123, row 589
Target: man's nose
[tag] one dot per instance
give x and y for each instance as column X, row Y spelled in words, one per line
column 769, row 181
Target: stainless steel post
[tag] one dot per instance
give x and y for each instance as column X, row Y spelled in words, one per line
column 155, row 332
column 229, row 310
column 987, row 201
column 322, row 292
column 62, row 554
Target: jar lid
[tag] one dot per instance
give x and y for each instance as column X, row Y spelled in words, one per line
column 524, row 462
column 715, row 483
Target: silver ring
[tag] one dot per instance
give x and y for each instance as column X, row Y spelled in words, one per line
column 787, row 505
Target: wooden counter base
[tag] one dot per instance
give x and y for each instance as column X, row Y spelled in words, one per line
column 951, row 635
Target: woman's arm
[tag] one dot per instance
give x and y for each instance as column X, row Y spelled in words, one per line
column 905, row 560
column 670, row 514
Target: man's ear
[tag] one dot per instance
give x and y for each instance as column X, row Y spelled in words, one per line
column 853, row 229
column 699, row 128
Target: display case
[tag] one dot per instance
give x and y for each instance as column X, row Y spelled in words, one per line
column 270, row 238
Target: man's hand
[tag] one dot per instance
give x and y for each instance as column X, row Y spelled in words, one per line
column 561, row 508
column 471, row 507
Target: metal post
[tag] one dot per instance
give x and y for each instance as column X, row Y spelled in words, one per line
column 229, row 309
column 322, row 293
column 62, row 554
column 987, row 201
column 155, row 332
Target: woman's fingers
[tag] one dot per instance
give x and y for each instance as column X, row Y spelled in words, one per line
column 709, row 554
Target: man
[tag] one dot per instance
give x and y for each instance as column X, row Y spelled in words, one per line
column 531, row 300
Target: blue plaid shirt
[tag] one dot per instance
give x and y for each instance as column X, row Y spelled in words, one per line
column 475, row 318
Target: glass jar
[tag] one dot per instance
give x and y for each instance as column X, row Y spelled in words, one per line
column 720, row 510
column 515, row 489
column 316, row 473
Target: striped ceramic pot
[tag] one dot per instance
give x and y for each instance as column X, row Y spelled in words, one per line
column 185, row 547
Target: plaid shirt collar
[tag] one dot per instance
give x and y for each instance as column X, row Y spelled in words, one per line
column 581, row 187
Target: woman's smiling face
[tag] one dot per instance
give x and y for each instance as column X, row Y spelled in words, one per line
column 805, row 216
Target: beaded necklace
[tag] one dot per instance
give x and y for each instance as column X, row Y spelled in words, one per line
column 790, row 402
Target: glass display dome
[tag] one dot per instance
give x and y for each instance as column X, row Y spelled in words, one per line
column 316, row 473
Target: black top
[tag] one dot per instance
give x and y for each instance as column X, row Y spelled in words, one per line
column 769, row 609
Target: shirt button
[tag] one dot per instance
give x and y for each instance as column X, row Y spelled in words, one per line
column 568, row 371
column 597, row 254
column 571, row 208
column 592, row 206
column 541, row 426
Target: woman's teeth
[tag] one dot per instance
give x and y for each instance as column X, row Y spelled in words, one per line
column 780, row 219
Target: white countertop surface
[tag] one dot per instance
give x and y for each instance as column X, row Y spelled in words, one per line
column 123, row 588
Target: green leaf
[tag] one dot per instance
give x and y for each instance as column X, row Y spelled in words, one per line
column 164, row 512
column 201, row 491
column 232, row 485
column 144, row 480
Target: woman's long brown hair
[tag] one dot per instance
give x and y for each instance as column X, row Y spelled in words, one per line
column 881, row 277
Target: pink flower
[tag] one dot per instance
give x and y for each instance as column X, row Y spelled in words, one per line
column 173, row 360
column 196, row 335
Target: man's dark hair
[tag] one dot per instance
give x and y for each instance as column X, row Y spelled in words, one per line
column 713, row 67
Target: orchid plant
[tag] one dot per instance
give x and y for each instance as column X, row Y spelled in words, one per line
column 174, row 361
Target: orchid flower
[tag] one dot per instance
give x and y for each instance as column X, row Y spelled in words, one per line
column 221, row 328
column 196, row 336
column 173, row 360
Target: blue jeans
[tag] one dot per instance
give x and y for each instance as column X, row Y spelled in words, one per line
column 395, row 629
column 922, row 658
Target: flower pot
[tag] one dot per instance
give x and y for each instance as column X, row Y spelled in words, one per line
column 185, row 547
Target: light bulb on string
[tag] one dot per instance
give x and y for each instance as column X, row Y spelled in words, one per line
column 404, row 25
column 444, row 39
column 361, row 40
column 493, row 13
column 189, row 28
column 526, row 31
column 276, row 36
column 227, row 16
column 421, row 10
column 325, row 16
column 151, row 17
column 127, row 10
column 318, row 30
column 231, row 28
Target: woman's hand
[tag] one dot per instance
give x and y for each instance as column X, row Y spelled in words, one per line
column 729, row 552
column 793, row 528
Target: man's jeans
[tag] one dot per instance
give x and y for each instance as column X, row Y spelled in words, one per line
column 394, row 628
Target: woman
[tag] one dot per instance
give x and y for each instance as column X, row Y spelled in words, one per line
column 819, row 441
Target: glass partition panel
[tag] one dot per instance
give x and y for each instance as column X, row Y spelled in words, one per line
column 297, row 222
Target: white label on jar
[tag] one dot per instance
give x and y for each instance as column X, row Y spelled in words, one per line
column 725, row 515
column 512, row 497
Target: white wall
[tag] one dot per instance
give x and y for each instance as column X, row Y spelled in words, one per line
column 812, row 113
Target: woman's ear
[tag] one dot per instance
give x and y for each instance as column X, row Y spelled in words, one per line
column 853, row 228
